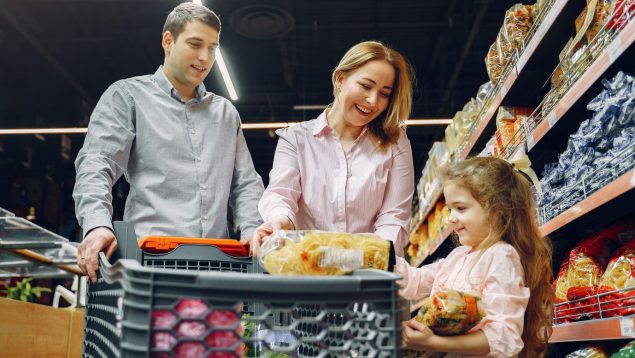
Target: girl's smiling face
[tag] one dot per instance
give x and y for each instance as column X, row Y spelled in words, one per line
column 468, row 218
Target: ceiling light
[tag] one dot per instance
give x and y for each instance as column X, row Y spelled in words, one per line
column 308, row 107
column 428, row 121
column 225, row 74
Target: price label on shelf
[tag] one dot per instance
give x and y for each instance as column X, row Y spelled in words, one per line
column 627, row 328
column 615, row 49
column 551, row 118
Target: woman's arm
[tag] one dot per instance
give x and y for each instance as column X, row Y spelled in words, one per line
column 393, row 218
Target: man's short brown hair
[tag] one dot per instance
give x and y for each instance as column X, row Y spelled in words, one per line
column 186, row 12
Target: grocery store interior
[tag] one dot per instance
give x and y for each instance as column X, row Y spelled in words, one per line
column 552, row 80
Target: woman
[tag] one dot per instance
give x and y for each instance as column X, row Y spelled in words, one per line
column 350, row 169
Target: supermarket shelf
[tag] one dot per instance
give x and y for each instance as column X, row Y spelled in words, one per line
column 594, row 330
column 444, row 235
column 618, row 187
column 538, row 54
column 619, row 46
column 433, row 201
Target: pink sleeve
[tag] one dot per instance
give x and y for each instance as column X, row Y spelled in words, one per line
column 417, row 282
column 282, row 193
column 394, row 215
column 505, row 300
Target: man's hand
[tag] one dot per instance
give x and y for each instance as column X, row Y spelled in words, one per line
column 265, row 230
column 97, row 240
column 417, row 336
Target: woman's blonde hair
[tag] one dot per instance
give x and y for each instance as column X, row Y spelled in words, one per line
column 506, row 197
column 386, row 126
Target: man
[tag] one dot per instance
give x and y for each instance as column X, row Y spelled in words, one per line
column 180, row 148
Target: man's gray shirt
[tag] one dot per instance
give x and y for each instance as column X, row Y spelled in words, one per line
column 185, row 162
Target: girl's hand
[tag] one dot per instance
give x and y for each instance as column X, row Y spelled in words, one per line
column 417, row 336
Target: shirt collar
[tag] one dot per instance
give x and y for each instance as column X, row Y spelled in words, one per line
column 166, row 86
column 322, row 126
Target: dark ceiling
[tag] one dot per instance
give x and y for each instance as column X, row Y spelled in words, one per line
column 57, row 58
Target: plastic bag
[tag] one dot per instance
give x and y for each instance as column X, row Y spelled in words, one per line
column 627, row 351
column 588, row 352
column 518, row 21
column 451, row 312
column 324, row 253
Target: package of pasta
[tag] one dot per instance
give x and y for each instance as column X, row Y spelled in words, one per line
column 518, row 21
column 591, row 351
column 320, row 253
column 618, row 276
column 561, row 286
column 451, row 312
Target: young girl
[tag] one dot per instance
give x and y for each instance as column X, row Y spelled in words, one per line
column 502, row 258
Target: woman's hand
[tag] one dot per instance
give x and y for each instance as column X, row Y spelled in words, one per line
column 417, row 336
column 281, row 222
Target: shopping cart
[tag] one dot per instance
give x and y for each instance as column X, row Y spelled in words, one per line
column 155, row 310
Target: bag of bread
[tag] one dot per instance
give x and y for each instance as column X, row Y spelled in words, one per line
column 324, row 253
column 451, row 312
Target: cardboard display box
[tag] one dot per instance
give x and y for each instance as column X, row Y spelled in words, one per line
column 35, row 330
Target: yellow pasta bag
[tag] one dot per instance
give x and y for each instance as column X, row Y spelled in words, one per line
column 451, row 312
column 324, row 253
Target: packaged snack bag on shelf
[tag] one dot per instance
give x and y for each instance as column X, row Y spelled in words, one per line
column 619, row 275
column 628, row 351
column 561, row 286
column 620, row 10
column 493, row 63
column 482, row 94
column 518, row 21
column 509, row 122
column 324, row 253
column 451, row 312
column 587, row 262
column 591, row 351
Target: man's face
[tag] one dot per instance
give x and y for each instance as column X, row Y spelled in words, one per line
column 189, row 59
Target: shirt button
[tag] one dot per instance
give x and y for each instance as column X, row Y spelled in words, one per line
column 198, row 159
column 203, row 187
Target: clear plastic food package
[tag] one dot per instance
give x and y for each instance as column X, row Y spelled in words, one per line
column 451, row 312
column 320, row 253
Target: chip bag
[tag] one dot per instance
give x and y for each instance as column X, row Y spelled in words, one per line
column 451, row 312
column 593, row 351
column 323, row 253
column 627, row 351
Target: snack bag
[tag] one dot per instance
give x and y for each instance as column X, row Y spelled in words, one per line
column 518, row 21
column 627, row 351
column 451, row 312
column 619, row 274
column 592, row 351
column 324, row 253
column 561, row 286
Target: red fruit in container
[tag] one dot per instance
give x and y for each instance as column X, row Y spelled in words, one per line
column 190, row 350
column 191, row 308
column 162, row 319
column 222, row 318
column 191, row 329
